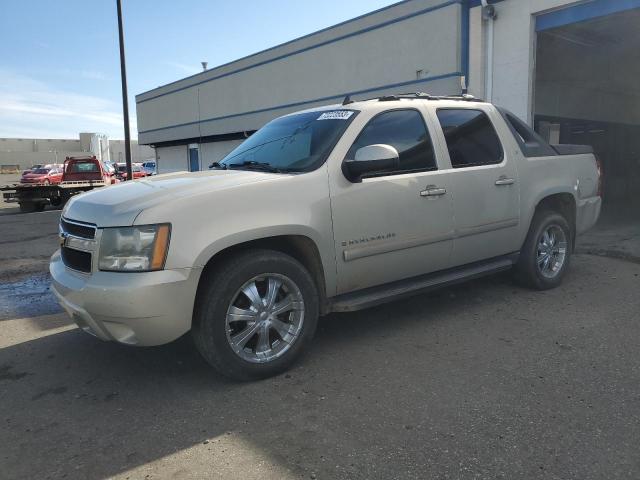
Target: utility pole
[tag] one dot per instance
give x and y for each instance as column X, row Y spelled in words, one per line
column 125, row 98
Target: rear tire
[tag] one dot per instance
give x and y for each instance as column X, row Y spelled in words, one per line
column 255, row 335
column 39, row 207
column 546, row 253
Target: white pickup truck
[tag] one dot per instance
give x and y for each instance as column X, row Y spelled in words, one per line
column 331, row 209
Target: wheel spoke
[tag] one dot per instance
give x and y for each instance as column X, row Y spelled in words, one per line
column 239, row 340
column 285, row 305
column 272, row 291
column 541, row 258
column 263, row 344
column 251, row 292
column 283, row 329
column 241, row 315
column 552, row 239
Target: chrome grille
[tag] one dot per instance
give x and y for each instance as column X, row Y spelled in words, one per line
column 77, row 229
column 77, row 244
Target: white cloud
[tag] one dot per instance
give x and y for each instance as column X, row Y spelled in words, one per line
column 30, row 108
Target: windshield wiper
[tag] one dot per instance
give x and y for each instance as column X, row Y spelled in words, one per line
column 253, row 165
column 218, row 166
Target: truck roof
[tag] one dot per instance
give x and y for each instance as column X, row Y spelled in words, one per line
column 366, row 104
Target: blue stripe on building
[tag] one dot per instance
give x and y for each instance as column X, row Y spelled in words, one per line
column 582, row 12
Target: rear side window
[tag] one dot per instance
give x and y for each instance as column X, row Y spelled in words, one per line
column 471, row 138
column 404, row 130
column 531, row 144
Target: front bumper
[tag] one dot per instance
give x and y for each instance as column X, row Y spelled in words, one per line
column 145, row 309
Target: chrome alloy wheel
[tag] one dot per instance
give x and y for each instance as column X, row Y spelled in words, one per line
column 552, row 251
column 265, row 318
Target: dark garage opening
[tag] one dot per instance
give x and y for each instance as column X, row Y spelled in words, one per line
column 587, row 91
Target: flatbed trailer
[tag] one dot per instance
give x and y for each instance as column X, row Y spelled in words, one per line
column 80, row 174
column 35, row 197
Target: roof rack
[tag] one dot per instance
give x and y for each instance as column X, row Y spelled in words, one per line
column 465, row 97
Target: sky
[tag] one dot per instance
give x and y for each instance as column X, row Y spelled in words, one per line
column 59, row 63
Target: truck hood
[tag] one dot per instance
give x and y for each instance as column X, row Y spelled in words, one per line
column 120, row 204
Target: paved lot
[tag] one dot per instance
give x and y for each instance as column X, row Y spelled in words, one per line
column 484, row 380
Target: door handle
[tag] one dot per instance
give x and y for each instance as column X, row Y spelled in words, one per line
column 505, row 181
column 433, row 191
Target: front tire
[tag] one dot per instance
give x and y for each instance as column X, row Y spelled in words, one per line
column 255, row 314
column 545, row 255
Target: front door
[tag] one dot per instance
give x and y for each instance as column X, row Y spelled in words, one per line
column 486, row 199
column 397, row 224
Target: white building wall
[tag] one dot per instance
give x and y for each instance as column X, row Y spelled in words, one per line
column 39, row 145
column 139, row 153
column 216, row 151
column 172, row 159
column 175, row 158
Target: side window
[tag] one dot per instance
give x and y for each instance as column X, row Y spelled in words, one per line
column 531, row 144
column 406, row 131
column 471, row 138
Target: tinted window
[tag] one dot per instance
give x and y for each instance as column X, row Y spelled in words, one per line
column 406, row 131
column 531, row 144
column 470, row 136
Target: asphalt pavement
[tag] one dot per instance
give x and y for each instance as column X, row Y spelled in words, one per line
column 484, row 380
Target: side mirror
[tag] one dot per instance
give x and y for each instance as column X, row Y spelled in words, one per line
column 371, row 159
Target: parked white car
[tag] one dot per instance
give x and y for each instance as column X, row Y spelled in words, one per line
column 331, row 209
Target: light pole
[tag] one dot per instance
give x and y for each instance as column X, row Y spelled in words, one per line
column 125, row 100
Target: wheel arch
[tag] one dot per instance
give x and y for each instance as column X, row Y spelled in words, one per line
column 563, row 202
column 299, row 246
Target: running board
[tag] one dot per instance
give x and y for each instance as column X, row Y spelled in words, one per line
column 370, row 297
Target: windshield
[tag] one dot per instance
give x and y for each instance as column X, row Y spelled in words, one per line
column 41, row 170
column 294, row 143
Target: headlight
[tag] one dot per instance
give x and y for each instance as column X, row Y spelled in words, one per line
column 134, row 249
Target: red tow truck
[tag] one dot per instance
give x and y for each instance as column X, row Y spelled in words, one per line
column 80, row 174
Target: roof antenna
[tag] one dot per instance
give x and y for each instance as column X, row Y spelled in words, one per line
column 347, row 100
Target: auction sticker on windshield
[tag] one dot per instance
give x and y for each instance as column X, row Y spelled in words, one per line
column 336, row 115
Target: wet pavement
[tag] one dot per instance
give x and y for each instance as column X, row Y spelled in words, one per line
column 29, row 297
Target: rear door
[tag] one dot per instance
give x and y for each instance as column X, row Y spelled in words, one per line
column 486, row 200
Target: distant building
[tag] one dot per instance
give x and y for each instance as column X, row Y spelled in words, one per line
column 25, row 152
